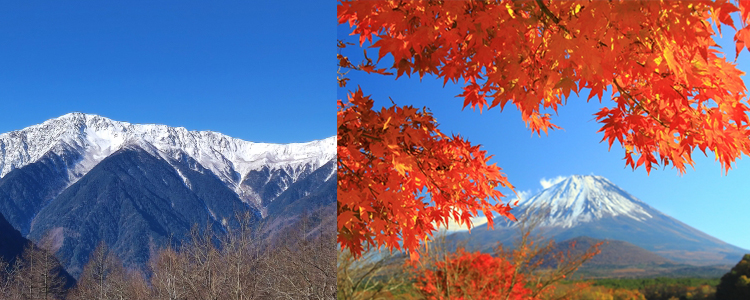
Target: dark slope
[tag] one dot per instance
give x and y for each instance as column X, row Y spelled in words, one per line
column 24, row 191
column 12, row 245
column 266, row 182
column 314, row 191
column 11, row 241
column 223, row 204
column 134, row 202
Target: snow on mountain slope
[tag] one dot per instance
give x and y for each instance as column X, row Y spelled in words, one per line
column 97, row 137
column 579, row 199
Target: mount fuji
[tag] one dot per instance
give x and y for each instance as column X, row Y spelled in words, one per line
column 592, row 206
column 82, row 178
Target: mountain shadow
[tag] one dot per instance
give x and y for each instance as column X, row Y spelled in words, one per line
column 12, row 242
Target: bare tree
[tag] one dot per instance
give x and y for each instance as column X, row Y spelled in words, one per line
column 37, row 273
column 131, row 285
column 202, row 261
column 373, row 276
column 239, row 265
column 118, row 285
column 304, row 266
column 103, row 277
column 242, row 255
column 92, row 283
column 167, row 276
column 6, row 279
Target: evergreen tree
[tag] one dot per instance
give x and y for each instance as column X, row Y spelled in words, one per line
column 736, row 283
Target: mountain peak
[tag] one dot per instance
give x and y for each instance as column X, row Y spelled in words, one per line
column 588, row 181
column 79, row 118
column 584, row 198
column 75, row 115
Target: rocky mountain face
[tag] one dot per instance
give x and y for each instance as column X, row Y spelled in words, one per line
column 593, row 206
column 84, row 178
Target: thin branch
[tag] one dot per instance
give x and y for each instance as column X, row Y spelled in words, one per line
column 552, row 16
column 637, row 103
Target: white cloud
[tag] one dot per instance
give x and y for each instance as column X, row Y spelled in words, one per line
column 475, row 221
column 550, row 182
column 480, row 220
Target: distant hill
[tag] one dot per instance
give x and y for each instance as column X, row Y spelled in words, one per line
column 619, row 259
column 613, row 252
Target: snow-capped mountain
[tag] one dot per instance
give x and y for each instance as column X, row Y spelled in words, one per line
column 93, row 138
column 580, row 199
column 81, row 179
column 592, row 206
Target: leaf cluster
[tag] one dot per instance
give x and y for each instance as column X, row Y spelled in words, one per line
column 399, row 177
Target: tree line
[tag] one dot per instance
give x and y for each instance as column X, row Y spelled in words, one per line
column 244, row 264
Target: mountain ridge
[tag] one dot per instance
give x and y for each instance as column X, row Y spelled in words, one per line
column 84, row 178
column 93, row 138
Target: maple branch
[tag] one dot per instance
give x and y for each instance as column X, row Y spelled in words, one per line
column 680, row 93
column 547, row 12
column 552, row 16
column 415, row 153
column 366, row 65
column 341, row 162
column 637, row 103
column 429, row 177
column 371, row 137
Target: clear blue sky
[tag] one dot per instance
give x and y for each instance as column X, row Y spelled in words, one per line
column 703, row 198
column 256, row 70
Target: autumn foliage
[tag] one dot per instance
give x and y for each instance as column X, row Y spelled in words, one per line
column 388, row 159
column 473, row 275
column 673, row 92
column 531, row 270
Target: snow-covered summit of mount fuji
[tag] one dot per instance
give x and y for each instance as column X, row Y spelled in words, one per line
column 585, row 198
column 592, row 206
column 95, row 137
